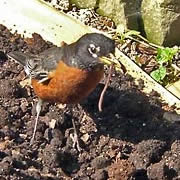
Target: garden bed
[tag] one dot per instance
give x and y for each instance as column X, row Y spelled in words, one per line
column 135, row 137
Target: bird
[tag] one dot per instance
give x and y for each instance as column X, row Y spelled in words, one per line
column 66, row 74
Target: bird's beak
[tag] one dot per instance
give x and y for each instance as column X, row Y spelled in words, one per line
column 111, row 59
column 107, row 60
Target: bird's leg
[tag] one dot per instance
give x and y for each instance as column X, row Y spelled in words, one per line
column 74, row 137
column 38, row 110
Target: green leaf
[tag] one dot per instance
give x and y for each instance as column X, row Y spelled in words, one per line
column 132, row 32
column 124, row 33
column 165, row 54
column 159, row 74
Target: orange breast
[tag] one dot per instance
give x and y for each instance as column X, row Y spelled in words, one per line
column 68, row 85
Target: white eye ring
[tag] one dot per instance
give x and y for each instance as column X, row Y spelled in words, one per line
column 93, row 50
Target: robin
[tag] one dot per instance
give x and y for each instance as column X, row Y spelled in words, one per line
column 66, row 74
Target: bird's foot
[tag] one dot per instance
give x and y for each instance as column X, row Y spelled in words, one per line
column 75, row 140
column 75, row 137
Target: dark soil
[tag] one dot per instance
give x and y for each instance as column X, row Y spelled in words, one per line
column 129, row 140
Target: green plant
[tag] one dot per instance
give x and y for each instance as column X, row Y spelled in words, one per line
column 164, row 59
column 124, row 34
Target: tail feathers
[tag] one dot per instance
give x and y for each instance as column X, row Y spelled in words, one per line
column 18, row 57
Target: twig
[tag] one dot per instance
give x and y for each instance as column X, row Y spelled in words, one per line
column 105, row 87
column 144, row 42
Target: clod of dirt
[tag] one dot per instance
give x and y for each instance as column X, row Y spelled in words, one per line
column 10, row 42
column 55, row 136
column 37, row 44
column 3, row 57
column 9, row 88
column 4, row 116
column 24, row 105
column 100, row 162
column 171, row 116
column 122, row 170
column 171, row 158
column 160, row 171
column 32, row 174
column 54, row 158
column 10, row 133
column 2, row 178
column 68, row 162
column 6, row 166
column 147, row 152
column 100, row 175
column 50, row 157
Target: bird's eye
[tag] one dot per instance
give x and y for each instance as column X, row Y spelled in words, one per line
column 93, row 50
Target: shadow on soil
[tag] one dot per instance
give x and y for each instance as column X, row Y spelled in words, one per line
column 130, row 115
